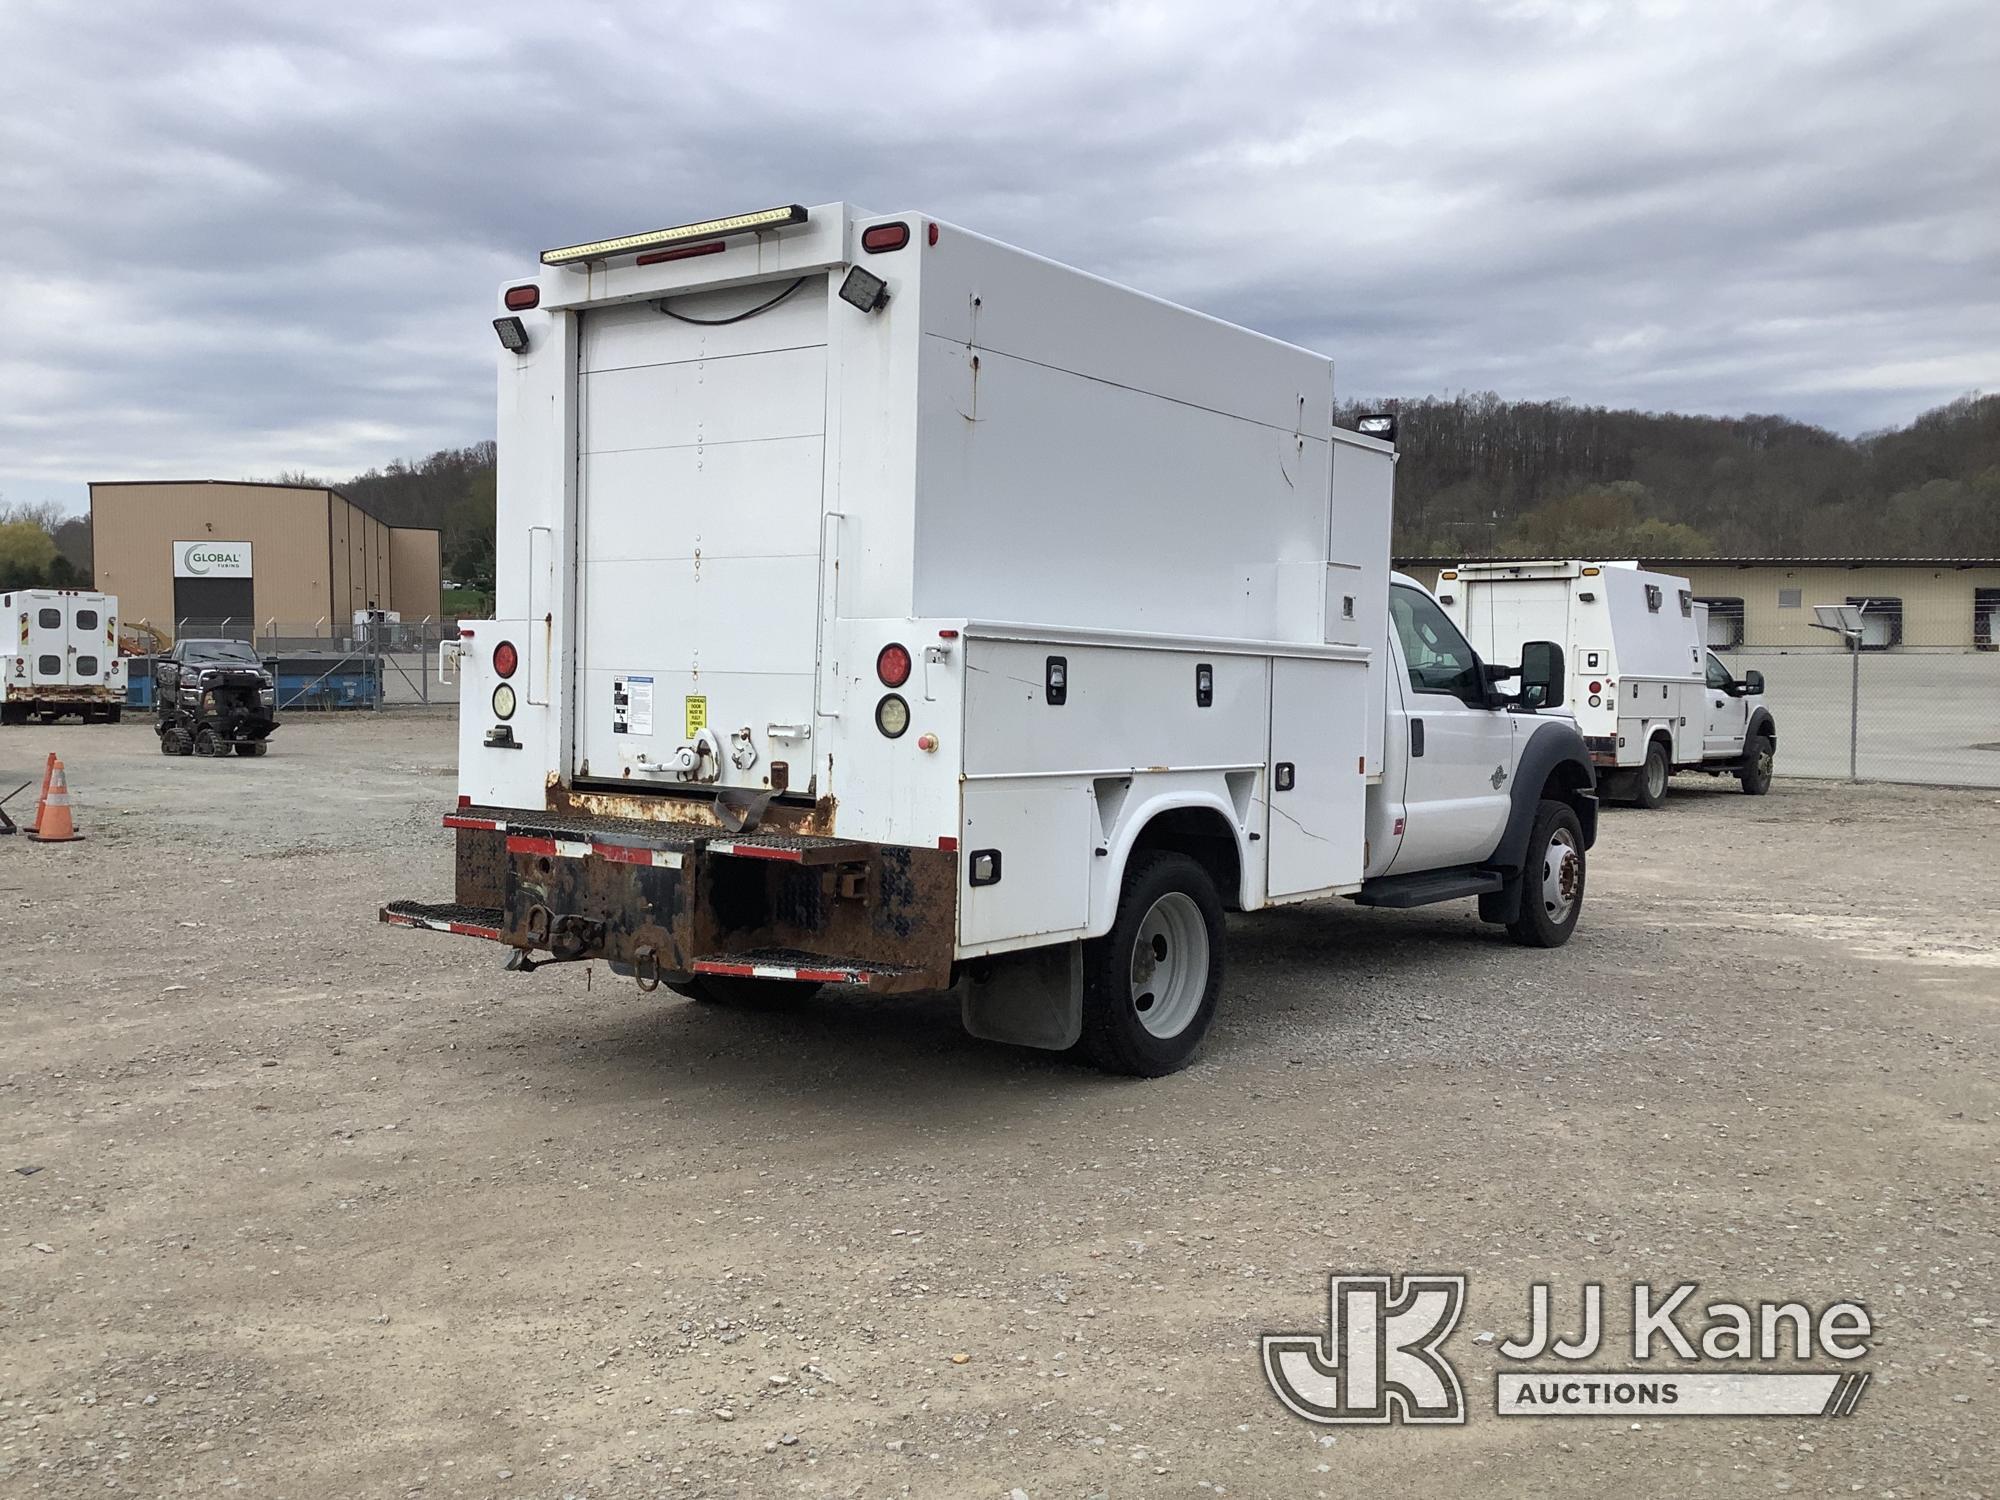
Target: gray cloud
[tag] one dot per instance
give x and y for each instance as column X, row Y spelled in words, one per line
column 242, row 240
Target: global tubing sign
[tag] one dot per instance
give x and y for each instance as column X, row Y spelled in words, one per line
column 211, row 559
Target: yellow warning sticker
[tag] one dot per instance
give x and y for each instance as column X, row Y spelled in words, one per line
column 697, row 714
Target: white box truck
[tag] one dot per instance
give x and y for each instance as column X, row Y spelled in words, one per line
column 59, row 655
column 1648, row 695
column 881, row 605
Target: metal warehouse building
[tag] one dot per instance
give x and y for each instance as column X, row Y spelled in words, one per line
column 1949, row 603
column 243, row 557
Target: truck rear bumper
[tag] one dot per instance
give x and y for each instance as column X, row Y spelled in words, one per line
column 673, row 900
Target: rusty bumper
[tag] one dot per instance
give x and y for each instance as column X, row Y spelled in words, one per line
column 679, row 899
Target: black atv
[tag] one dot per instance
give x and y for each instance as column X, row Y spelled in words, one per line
column 212, row 697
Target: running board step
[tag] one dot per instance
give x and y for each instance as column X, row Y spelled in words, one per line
column 1428, row 887
column 814, row 968
column 445, row 916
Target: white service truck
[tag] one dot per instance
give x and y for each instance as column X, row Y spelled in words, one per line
column 881, row 605
column 59, row 655
column 1648, row 695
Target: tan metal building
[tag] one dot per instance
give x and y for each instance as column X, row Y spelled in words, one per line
column 1939, row 602
column 304, row 559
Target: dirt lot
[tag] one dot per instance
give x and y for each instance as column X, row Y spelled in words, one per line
column 325, row 1209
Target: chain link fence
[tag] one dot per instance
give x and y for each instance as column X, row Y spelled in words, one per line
column 1914, row 697
column 367, row 665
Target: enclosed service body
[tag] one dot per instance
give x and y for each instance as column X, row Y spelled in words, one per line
column 1647, row 694
column 876, row 597
column 59, row 655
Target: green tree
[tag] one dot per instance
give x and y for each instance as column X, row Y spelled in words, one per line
column 27, row 555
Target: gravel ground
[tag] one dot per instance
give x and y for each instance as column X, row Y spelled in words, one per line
column 323, row 1209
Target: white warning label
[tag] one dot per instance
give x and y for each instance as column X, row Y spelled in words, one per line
column 631, row 705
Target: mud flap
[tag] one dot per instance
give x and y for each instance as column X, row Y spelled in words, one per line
column 1031, row 999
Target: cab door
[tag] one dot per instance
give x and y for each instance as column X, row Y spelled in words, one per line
column 1727, row 716
column 1460, row 754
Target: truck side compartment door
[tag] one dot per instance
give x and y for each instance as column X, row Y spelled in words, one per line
column 1726, row 717
column 1457, row 785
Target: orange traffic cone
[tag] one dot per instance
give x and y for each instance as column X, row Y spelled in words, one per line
column 55, row 825
column 47, row 771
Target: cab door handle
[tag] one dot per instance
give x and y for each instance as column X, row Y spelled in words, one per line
column 1416, row 737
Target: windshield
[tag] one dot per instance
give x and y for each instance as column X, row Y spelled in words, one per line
column 220, row 651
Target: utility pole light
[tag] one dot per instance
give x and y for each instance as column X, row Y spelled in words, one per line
column 1844, row 620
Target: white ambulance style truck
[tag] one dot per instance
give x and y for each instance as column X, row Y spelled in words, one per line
column 1648, row 695
column 59, row 655
column 881, row 605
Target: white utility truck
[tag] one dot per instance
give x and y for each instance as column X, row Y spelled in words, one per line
column 884, row 606
column 1649, row 696
column 59, row 655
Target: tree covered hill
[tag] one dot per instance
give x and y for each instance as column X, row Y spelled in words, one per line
column 1483, row 475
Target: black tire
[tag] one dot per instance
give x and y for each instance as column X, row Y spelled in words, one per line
column 176, row 741
column 1649, row 787
column 205, row 742
column 248, row 748
column 114, row 716
column 1170, row 902
column 1551, row 898
column 740, row 993
column 1758, row 755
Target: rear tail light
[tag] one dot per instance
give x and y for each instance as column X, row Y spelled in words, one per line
column 885, row 237
column 506, row 659
column 521, row 298
column 893, row 665
column 1597, row 687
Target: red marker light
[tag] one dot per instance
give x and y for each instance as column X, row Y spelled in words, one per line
column 893, row 665
column 506, row 659
column 521, row 298
column 885, row 237
column 1597, row 687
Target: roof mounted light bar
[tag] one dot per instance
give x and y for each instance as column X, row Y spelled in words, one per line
column 763, row 219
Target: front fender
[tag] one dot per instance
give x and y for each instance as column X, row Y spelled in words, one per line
column 1761, row 722
column 1555, row 743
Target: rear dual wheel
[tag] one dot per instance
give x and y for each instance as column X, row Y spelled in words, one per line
column 1151, row 984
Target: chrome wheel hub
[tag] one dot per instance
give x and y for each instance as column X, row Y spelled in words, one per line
column 1562, row 876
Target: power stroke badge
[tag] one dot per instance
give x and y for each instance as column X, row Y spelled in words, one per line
column 1382, row 1358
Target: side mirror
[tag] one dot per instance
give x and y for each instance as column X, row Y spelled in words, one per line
column 1753, row 682
column 1541, row 675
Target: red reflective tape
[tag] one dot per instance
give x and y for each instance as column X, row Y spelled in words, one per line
column 950, row 846
column 623, row 854
column 707, row 966
column 488, row 825
column 521, row 843
column 466, row 929
column 831, row 976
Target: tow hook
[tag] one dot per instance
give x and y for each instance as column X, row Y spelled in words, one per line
column 646, row 970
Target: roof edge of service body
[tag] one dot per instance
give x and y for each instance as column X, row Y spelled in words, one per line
column 883, row 605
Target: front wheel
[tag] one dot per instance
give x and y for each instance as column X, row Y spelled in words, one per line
column 1552, row 879
column 1758, row 756
column 1150, row 985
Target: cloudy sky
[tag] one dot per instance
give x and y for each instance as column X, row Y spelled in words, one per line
column 248, row 236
